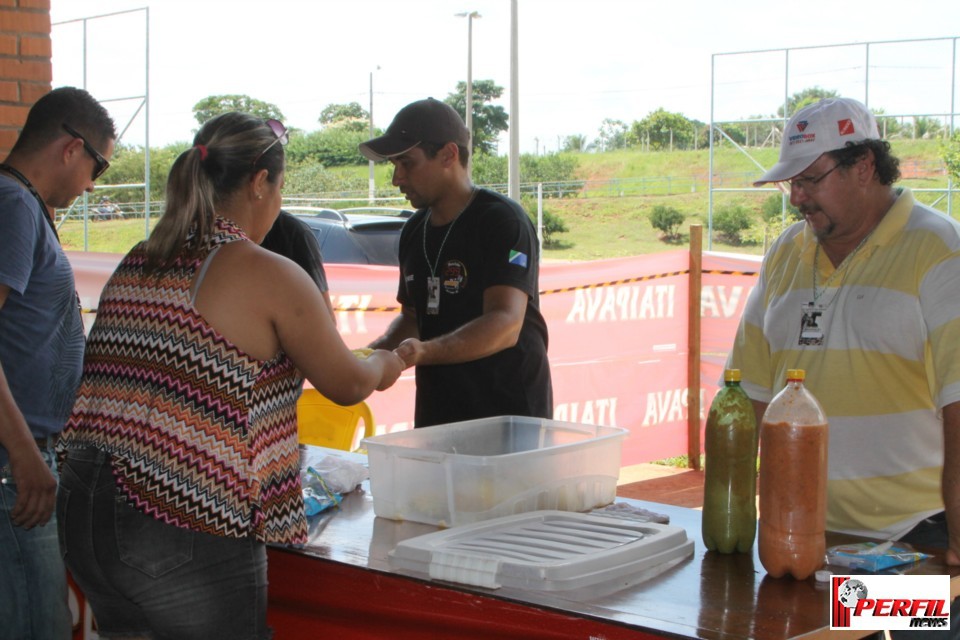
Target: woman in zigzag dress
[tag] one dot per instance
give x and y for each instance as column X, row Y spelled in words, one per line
column 181, row 457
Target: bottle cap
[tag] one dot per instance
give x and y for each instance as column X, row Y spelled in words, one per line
column 796, row 374
column 731, row 375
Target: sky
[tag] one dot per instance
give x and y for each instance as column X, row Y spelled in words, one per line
column 579, row 61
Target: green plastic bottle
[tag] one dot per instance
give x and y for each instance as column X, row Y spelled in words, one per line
column 730, row 464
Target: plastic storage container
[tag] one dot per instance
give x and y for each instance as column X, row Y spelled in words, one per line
column 793, row 482
column 464, row 472
column 730, row 474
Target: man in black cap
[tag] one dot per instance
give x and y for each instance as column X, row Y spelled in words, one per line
column 469, row 270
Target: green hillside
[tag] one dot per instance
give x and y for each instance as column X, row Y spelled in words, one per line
column 609, row 218
column 606, row 211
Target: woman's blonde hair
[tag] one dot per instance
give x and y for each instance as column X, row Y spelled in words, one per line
column 226, row 152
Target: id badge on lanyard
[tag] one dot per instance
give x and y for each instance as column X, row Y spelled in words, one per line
column 433, row 295
column 811, row 329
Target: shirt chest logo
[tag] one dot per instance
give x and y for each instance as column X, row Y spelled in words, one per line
column 454, row 277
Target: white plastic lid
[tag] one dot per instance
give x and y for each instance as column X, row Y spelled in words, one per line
column 546, row 550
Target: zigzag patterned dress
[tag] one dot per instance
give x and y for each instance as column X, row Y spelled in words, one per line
column 202, row 435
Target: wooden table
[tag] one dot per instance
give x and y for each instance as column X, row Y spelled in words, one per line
column 341, row 585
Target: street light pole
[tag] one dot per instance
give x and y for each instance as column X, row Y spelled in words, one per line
column 513, row 164
column 468, row 107
column 373, row 185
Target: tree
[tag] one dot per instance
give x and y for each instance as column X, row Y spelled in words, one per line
column 924, row 128
column 488, row 119
column 612, row 135
column 808, row 96
column 576, row 142
column 889, row 127
column 950, row 149
column 213, row 106
column 736, row 131
column 350, row 115
column 662, row 129
column 126, row 167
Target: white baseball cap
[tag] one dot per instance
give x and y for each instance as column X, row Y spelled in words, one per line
column 816, row 129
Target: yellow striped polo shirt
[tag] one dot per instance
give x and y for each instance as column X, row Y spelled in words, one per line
column 888, row 362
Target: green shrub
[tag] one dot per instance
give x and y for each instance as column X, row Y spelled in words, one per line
column 313, row 177
column 489, row 170
column 551, row 168
column 950, row 151
column 552, row 223
column 731, row 222
column 332, row 147
column 772, row 210
column 667, row 220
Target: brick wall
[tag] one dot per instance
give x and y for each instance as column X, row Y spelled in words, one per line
column 25, row 68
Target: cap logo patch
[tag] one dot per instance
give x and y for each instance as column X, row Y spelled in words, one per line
column 802, row 125
column 845, row 127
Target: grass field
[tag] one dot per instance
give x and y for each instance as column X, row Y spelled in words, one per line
column 609, row 217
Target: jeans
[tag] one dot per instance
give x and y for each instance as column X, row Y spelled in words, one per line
column 146, row 578
column 33, row 582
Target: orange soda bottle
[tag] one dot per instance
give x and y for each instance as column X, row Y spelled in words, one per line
column 793, row 482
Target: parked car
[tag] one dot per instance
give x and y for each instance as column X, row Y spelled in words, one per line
column 368, row 235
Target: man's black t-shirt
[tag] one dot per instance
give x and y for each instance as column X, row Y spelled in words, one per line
column 493, row 242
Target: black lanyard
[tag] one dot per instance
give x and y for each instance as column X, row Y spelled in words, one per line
column 33, row 191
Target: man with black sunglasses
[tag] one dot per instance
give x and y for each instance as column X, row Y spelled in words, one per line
column 63, row 148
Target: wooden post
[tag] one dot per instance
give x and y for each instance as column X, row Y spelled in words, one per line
column 695, row 280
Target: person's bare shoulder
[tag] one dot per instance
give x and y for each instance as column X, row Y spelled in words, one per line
column 244, row 270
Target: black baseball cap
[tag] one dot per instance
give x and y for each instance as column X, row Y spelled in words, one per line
column 427, row 120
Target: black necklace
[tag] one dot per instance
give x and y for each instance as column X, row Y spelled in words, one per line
column 33, row 191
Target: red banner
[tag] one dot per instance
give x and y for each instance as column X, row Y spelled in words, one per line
column 618, row 337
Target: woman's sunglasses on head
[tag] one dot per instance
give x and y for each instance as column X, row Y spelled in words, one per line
column 278, row 130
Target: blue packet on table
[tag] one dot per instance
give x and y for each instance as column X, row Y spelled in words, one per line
column 317, row 496
column 873, row 556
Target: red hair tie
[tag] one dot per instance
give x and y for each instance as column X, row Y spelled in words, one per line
column 202, row 148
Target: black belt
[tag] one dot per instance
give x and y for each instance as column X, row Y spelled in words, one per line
column 48, row 442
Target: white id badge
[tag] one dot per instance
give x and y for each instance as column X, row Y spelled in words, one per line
column 433, row 295
column 811, row 331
